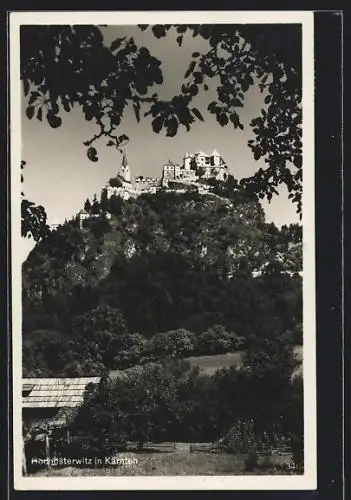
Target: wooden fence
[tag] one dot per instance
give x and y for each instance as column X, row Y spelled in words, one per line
column 218, row 448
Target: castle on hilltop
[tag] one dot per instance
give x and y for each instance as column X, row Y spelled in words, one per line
column 195, row 169
column 193, row 174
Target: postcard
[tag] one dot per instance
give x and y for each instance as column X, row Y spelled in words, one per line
column 163, row 246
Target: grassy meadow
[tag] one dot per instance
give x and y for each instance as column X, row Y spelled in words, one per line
column 208, row 365
column 178, row 462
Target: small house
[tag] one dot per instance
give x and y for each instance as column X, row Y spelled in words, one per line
column 53, row 401
column 82, row 216
column 49, row 407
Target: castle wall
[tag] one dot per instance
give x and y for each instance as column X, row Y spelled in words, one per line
column 212, row 166
column 168, row 174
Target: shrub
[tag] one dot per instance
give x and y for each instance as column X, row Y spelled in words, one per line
column 266, row 463
column 251, row 461
column 217, row 340
column 241, row 437
column 297, row 446
column 115, row 182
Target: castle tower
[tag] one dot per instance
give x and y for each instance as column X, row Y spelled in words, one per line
column 124, row 171
column 215, row 157
column 187, row 161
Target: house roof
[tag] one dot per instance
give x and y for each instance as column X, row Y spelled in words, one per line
column 55, row 392
column 83, row 211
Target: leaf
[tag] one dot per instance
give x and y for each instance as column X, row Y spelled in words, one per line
column 222, row 118
column 159, row 31
column 30, row 112
column 66, row 107
column 195, row 54
column 205, row 87
column 190, row 69
column 212, row 106
column 193, row 90
column 158, row 77
column 157, row 124
column 180, row 40
column 92, row 154
column 197, row 113
column 182, row 28
column 116, row 43
column 234, row 119
column 137, row 112
column 123, row 138
column 198, row 77
column 26, row 87
column 54, row 107
column 237, row 102
column 33, row 97
column 267, row 99
column 53, row 120
column 144, row 52
column 40, row 114
column 172, row 127
column 298, row 161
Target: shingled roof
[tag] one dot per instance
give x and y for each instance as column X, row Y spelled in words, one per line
column 55, row 392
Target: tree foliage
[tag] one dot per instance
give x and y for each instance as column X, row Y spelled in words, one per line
column 65, row 66
column 33, row 217
column 181, row 262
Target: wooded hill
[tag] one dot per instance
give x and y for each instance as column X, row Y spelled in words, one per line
column 161, row 263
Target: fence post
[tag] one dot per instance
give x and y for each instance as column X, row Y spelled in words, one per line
column 47, row 449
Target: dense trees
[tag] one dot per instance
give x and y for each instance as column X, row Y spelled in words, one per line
column 157, row 403
column 45, row 352
column 164, row 267
column 216, row 340
column 172, row 279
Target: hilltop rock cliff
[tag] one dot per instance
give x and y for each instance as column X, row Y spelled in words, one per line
column 165, row 260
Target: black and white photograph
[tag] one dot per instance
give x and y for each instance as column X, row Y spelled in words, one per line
column 163, row 286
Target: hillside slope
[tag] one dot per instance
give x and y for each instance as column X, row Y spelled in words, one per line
column 163, row 262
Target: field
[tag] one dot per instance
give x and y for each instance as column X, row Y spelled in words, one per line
column 209, row 364
column 179, row 462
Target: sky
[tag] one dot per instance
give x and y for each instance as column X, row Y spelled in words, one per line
column 59, row 176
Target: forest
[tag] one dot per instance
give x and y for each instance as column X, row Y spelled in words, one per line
column 167, row 275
